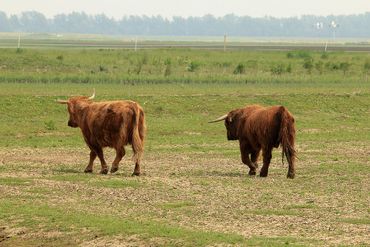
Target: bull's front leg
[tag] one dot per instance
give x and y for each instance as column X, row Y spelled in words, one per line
column 247, row 161
column 104, row 167
column 89, row 167
column 244, row 151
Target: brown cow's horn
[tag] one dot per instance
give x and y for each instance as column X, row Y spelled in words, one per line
column 62, row 101
column 92, row 96
column 219, row 119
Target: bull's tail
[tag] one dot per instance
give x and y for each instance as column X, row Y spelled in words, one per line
column 138, row 134
column 287, row 139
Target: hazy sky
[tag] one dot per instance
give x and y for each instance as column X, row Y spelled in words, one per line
column 168, row 8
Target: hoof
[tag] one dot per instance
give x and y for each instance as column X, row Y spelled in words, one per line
column 290, row 175
column 135, row 174
column 262, row 174
column 113, row 169
column 252, row 173
column 88, row 171
column 104, row 171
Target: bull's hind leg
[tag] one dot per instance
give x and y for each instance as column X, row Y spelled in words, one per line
column 137, row 158
column 137, row 169
column 89, row 167
column 104, row 167
column 254, row 158
column 267, row 155
column 120, row 152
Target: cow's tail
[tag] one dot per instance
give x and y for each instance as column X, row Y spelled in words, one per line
column 138, row 134
column 287, row 139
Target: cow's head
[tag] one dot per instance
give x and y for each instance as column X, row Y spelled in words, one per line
column 231, row 124
column 74, row 107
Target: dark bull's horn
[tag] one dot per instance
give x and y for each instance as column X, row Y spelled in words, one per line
column 92, row 96
column 219, row 119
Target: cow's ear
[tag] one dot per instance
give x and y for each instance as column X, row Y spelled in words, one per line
column 230, row 119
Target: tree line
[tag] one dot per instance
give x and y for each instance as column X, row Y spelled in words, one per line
column 208, row 25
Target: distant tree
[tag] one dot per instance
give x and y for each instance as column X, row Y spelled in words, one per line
column 80, row 22
column 33, row 21
column 4, row 23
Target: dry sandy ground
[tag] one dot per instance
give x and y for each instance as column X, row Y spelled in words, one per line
column 214, row 192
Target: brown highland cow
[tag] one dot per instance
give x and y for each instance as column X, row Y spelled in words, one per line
column 112, row 124
column 262, row 128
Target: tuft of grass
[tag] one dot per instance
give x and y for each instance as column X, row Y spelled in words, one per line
column 356, row 221
column 11, row 181
column 50, row 125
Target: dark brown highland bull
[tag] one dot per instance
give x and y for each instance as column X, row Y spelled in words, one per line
column 265, row 128
column 108, row 124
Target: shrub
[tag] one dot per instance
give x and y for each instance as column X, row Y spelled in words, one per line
column 308, row 64
column 319, row 66
column 102, row 68
column 167, row 71
column 289, row 68
column 240, row 69
column 367, row 66
column 298, row 54
column 193, row 66
column 332, row 66
column 278, row 69
column 344, row 66
column 290, row 55
column 324, row 56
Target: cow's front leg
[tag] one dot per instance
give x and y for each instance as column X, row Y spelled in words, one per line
column 89, row 167
column 104, row 167
column 245, row 151
column 119, row 155
column 247, row 161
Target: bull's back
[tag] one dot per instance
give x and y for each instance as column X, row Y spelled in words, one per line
column 262, row 126
column 111, row 122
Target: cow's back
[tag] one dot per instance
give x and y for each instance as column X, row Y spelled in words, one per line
column 110, row 123
column 262, row 126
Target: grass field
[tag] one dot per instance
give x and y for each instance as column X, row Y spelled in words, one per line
column 194, row 190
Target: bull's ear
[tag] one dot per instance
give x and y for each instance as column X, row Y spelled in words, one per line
column 230, row 119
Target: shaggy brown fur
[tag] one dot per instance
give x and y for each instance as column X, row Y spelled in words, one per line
column 262, row 128
column 108, row 124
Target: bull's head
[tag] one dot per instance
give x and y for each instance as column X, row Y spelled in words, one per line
column 74, row 108
column 231, row 124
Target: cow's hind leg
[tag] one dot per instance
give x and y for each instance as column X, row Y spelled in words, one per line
column 267, row 155
column 136, row 158
column 89, row 167
column 120, row 152
column 254, row 158
column 104, row 167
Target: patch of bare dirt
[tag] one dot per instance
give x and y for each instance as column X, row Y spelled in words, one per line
column 218, row 194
